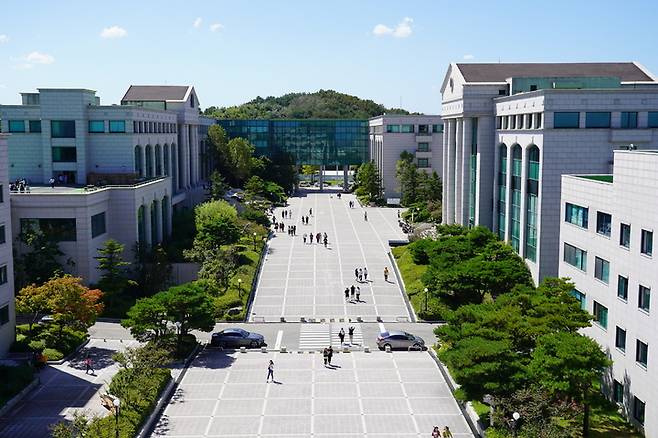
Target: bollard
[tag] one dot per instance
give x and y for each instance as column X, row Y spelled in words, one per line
column 359, row 319
column 302, row 319
column 388, row 349
column 346, row 349
column 263, row 349
column 282, row 319
column 379, row 319
column 366, row 349
column 283, row 350
column 243, row 349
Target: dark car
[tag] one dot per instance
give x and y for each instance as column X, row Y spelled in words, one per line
column 399, row 339
column 237, row 337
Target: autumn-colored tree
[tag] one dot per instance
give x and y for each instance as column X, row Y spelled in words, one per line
column 33, row 300
column 71, row 302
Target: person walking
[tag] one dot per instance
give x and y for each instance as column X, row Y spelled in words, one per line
column 446, row 432
column 270, row 371
column 52, row 182
column 89, row 364
column 360, row 275
column 356, row 273
column 352, row 290
column 341, row 336
column 365, row 274
column 325, row 241
column 436, row 433
column 350, row 332
column 304, row 238
column 358, row 294
column 325, row 356
column 386, row 273
column 347, row 293
column 310, row 212
column 365, row 216
column 330, row 354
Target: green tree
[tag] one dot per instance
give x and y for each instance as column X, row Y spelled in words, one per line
column 38, row 259
column 220, row 266
column 408, row 176
column 255, row 186
column 310, row 170
column 216, row 224
column 282, row 170
column 240, row 153
column 431, row 188
column 143, row 358
column 218, row 143
column 368, row 182
column 147, row 319
column 114, row 278
column 33, row 300
column 568, row 364
column 189, row 307
column 153, row 269
column 218, row 186
column 72, row 303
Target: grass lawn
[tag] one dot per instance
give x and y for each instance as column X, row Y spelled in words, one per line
column 14, row 379
column 606, row 422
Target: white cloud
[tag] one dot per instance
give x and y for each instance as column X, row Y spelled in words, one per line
column 197, row 22
column 469, row 57
column 39, row 58
column 3, row 38
column 113, row 32
column 216, row 27
column 401, row 30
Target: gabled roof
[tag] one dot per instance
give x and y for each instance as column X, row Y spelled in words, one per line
column 157, row 93
column 625, row 71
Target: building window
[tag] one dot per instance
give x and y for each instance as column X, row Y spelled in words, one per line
column 117, row 126
column 528, row 121
column 617, row 392
column 576, row 257
column 577, row 215
column 437, row 129
column 646, row 245
column 601, row 269
column 423, row 147
column 597, row 120
column 502, row 190
column 3, row 234
column 603, row 223
column 600, row 314
column 515, row 223
column 504, row 122
column 580, row 297
column 3, row 274
column 652, row 121
column 512, row 122
column 538, row 121
column 96, row 126
column 35, row 126
column 644, row 298
column 59, row 230
column 622, row 287
column 16, row 126
column 532, row 195
column 638, row 410
column 64, row 154
column 423, row 129
column 407, row 128
column 2, row 193
column 423, row 163
column 628, row 120
column 620, row 338
column 97, row 224
column 641, row 353
column 393, row 129
column 62, row 128
column 4, row 314
column 625, row 235
column 565, row 120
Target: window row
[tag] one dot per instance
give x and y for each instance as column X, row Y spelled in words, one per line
column 643, row 293
column 63, row 229
column 114, row 126
column 639, row 407
column 410, row 128
column 602, row 119
column 520, row 121
column 143, row 127
column 19, row 126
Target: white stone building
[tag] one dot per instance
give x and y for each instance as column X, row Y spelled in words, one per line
column 7, row 314
column 607, row 226
column 390, row 135
column 512, row 130
column 119, row 171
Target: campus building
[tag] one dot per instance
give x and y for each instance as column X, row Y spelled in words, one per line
column 7, row 315
column 607, row 232
column 119, row 171
column 328, row 143
column 390, row 135
column 512, row 130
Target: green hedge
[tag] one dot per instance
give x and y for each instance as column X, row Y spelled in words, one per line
column 46, row 337
column 14, row 379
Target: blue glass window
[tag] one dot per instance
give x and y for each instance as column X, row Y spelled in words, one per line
column 566, row 120
column 62, row 128
column 620, row 339
column 597, row 120
column 603, row 223
column 96, row 126
column 16, row 126
column 575, row 214
column 652, row 121
column 580, row 297
column 576, row 257
column 407, row 128
column 646, row 244
column 98, row 224
column 423, row 163
column 602, row 269
column 644, row 298
column 393, row 128
column 117, row 126
column 437, row 129
column 35, row 126
column 600, row 314
column 628, row 120
column 64, row 154
column 641, row 352
column 423, row 147
column 622, row 287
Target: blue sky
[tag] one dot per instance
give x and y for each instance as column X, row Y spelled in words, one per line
column 388, row 51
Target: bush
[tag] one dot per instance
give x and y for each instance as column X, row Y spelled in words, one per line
column 47, row 337
column 52, row 354
column 14, row 379
column 256, row 216
column 420, row 251
column 225, row 302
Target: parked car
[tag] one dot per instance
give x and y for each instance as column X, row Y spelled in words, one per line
column 237, row 337
column 399, row 340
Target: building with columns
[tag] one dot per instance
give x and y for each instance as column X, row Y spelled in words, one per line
column 607, row 227
column 7, row 314
column 117, row 171
column 390, row 135
column 512, row 130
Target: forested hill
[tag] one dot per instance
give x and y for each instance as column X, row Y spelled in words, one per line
column 323, row 104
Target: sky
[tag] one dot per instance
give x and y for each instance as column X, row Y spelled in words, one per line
column 393, row 52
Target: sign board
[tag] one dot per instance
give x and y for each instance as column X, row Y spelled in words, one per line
column 393, row 201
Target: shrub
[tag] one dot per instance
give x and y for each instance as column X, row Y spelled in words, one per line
column 52, row 354
column 256, row 216
column 14, row 379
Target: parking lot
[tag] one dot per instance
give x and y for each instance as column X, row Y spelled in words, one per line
column 377, row 394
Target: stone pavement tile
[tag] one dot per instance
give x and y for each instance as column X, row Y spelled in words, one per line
column 299, row 311
column 333, row 299
column 375, row 361
column 289, row 390
column 227, row 426
column 267, row 311
column 293, row 376
column 299, row 300
column 287, row 425
column 386, row 375
column 337, row 424
column 270, row 292
column 414, row 360
column 239, row 407
column 249, row 375
column 390, row 300
column 180, row 426
column 389, row 424
column 274, row 301
column 427, row 389
column 65, row 395
column 330, row 311
column 38, row 408
column 335, row 390
column 332, row 406
column 371, row 390
column 420, row 375
column 242, row 391
column 25, row 428
column 434, row 405
column 191, row 408
column 205, row 376
column 393, row 406
column 335, row 375
column 455, row 422
column 294, row 406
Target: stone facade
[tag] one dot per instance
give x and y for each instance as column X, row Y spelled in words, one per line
column 7, row 314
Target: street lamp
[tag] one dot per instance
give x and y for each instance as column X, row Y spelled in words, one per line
column 413, row 211
column 514, row 422
column 254, row 240
column 239, row 288
column 117, row 404
column 425, row 299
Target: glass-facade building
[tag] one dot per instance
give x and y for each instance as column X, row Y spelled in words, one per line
column 325, row 142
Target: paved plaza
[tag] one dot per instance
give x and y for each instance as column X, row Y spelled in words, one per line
column 64, row 389
column 301, row 280
column 376, row 394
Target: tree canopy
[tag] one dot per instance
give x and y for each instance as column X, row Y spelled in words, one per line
column 322, row 104
column 368, row 183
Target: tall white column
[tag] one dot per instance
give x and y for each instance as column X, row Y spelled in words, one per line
column 185, row 157
column 153, row 161
column 196, row 161
column 142, row 151
column 444, row 175
column 486, row 176
column 508, row 195
column 457, row 164
column 451, row 126
column 524, row 191
column 467, row 136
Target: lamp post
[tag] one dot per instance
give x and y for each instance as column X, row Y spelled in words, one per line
column 254, row 240
column 425, row 299
column 514, row 422
column 413, row 210
column 178, row 336
column 239, row 288
column 117, row 404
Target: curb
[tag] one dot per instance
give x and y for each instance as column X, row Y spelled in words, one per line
column 166, row 395
column 18, row 397
column 403, row 290
column 71, row 355
column 256, row 280
column 472, row 422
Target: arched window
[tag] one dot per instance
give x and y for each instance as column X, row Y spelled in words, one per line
column 174, row 168
column 515, row 223
column 165, row 150
column 165, row 217
column 532, row 196
column 141, row 226
column 158, row 163
column 138, row 161
column 502, row 190
column 149, row 161
column 154, row 223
